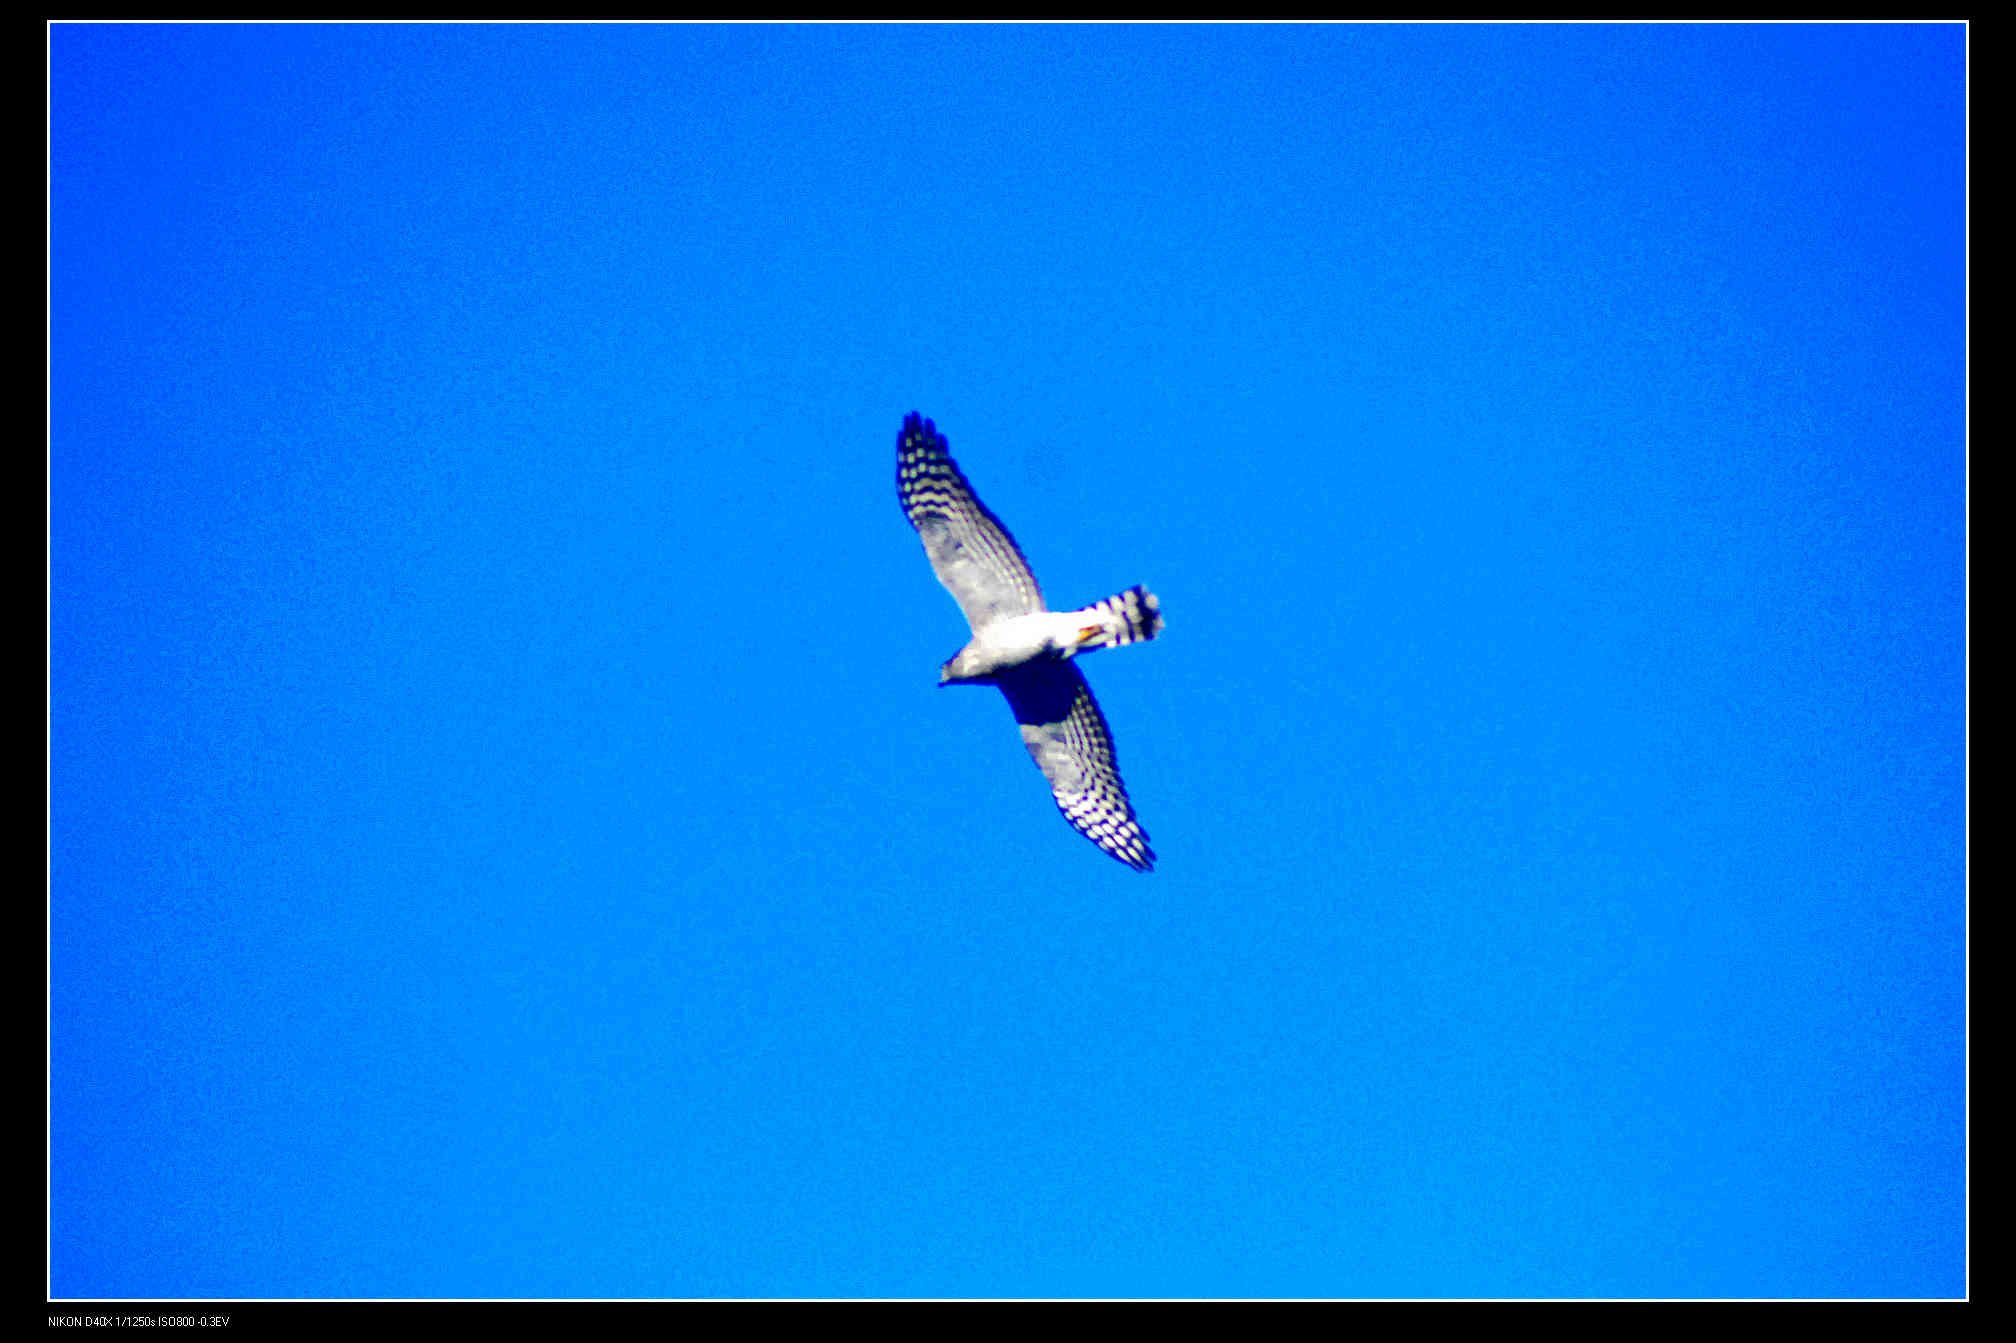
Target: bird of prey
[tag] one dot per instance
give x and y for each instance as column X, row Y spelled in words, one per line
column 1022, row 646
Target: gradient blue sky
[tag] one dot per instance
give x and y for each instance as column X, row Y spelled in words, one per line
column 505, row 839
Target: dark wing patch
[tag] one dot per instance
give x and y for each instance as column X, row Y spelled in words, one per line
column 1068, row 739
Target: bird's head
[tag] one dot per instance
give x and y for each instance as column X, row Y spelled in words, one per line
column 961, row 667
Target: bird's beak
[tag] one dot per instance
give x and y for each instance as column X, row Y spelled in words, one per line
column 1090, row 632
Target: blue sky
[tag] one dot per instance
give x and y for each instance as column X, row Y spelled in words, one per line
column 505, row 837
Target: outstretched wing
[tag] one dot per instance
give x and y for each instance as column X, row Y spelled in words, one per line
column 1068, row 739
column 976, row 559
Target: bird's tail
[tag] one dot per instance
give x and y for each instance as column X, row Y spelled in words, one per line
column 1124, row 618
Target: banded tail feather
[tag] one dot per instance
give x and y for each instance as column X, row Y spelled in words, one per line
column 1133, row 616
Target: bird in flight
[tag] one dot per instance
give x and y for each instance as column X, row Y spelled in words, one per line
column 1022, row 646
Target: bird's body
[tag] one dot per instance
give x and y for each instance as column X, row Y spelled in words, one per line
column 1022, row 646
column 1010, row 643
column 1018, row 640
